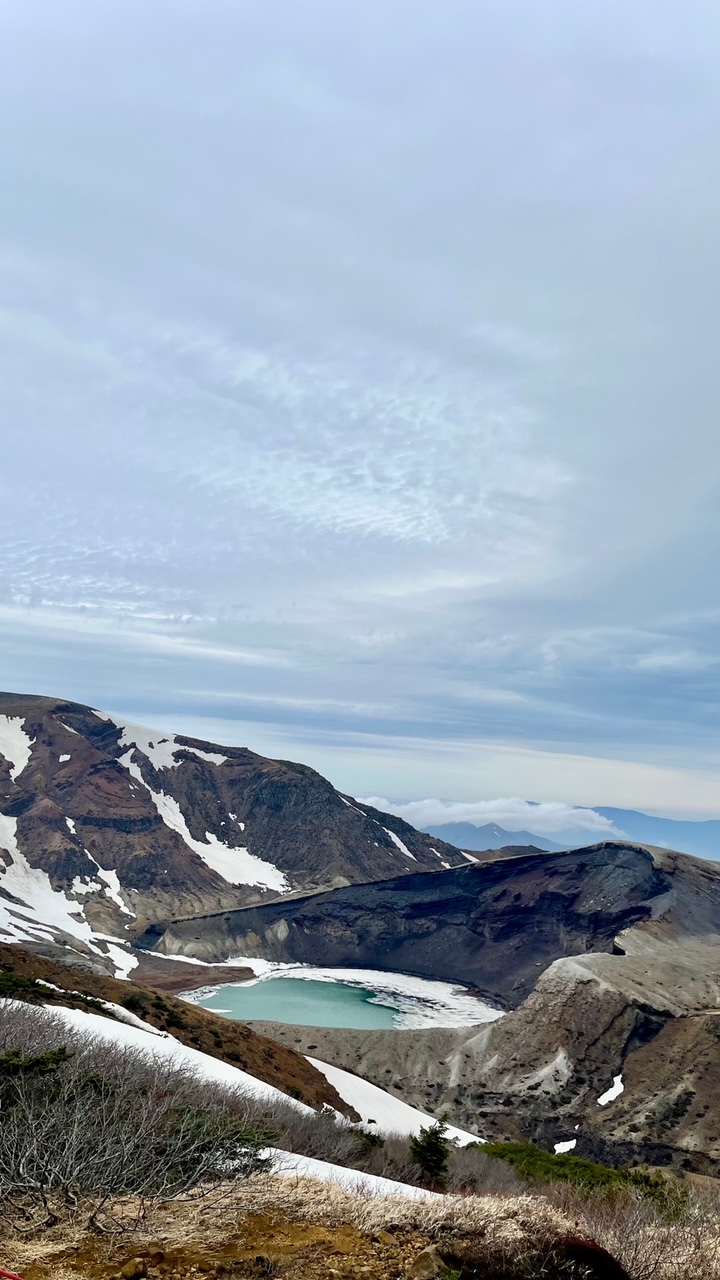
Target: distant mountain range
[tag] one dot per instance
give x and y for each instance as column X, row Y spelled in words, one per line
column 699, row 838
column 465, row 835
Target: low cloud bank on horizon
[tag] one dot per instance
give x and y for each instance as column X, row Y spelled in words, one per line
column 543, row 818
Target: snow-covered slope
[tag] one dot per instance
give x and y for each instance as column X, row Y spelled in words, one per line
column 385, row 1113
column 293, row 1166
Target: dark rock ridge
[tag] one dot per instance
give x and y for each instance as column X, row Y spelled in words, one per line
column 132, row 826
column 495, row 925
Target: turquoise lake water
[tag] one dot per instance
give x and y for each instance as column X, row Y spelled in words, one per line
column 302, row 1001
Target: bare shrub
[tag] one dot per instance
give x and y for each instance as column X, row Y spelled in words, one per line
column 680, row 1244
column 83, row 1120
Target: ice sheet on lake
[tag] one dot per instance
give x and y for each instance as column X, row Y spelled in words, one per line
column 419, row 1002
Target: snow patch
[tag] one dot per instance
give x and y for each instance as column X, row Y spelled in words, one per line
column 40, row 908
column 387, row 1115
column 71, row 826
column 15, row 744
column 235, row 864
column 112, row 889
column 561, row 1148
column 443, row 863
column 616, row 1088
column 354, row 808
column 213, row 757
column 397, row 841
column 64, row 758
column 290, row 1165
column 123, row 959
column 86, row 886
column 160, row 748
column 161, row 1045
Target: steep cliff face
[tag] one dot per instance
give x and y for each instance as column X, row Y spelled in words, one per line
column 105, row 827
column 496, row 925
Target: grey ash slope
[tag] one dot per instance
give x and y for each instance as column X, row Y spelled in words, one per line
column 130, row 826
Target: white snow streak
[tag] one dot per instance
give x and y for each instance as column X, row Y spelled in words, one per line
column 163, row 1046
column 112, row 888
column 397, row 841
column 157, row 746
column 612, row 1093
column 123, row 959
column 64, row 758
column 291, row 1165
column 234, row 863
column 160, row 748
column 40, row 909
column 443, row 863
column 387, row 1115
column 213, row 757
column 71, row 826
column 15, row 744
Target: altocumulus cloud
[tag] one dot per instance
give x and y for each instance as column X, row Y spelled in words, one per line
column 357, row 389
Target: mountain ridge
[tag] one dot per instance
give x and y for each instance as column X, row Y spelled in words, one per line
column 106, row 827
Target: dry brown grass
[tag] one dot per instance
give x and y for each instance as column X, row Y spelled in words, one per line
column 306, row 1224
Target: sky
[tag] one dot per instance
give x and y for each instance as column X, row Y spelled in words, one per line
column 360, row 392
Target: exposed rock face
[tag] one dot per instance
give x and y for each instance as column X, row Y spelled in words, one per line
column 130, row 826
column 496, row 925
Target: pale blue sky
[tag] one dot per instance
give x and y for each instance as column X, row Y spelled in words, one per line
column 360, row 385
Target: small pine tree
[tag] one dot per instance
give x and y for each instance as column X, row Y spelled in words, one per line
column 430, row 1150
